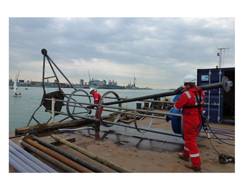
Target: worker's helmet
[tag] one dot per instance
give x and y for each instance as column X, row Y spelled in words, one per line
column 191, row 79
column 91, row 90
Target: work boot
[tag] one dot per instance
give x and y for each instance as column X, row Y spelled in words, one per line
column 194, row 168
column 183, row 157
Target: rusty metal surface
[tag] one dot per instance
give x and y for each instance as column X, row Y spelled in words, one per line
column 56, row 155
column 82, row 150
column 93, row 167
column 50, row 160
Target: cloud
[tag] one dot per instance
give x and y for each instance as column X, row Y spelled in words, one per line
column 105, row 69
column 158, row 50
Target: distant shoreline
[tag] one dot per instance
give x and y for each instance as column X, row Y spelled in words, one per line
column 77, row 87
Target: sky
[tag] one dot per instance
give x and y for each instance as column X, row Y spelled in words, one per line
column 158, row 51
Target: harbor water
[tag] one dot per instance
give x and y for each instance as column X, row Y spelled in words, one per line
column 22, row 107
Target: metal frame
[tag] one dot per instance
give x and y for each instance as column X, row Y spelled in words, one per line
column 54, row 67
column 106, row 106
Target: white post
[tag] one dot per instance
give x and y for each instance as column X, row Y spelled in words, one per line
column 220, row 54
column 53, row 101
column 220, row 57
column 219, row 105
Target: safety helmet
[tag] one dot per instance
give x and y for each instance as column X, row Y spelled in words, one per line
column 91, row 90
column 190, row 79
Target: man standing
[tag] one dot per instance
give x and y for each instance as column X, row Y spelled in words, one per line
column 190, row 102
column 97, row 97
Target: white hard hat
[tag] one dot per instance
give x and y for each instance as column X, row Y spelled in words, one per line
column 190, row 79
column 91, row 89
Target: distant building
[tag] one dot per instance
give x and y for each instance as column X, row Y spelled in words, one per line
column 112, row 83
column 36, row 83
column 96, row 83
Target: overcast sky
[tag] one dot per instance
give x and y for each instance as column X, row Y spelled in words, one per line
column 159, row 51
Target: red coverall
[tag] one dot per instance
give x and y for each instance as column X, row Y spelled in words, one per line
column 191, row 122
column 97, row 97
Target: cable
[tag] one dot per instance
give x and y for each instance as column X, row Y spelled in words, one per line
column 221, row 140
column 223, row 158
column 213, row 147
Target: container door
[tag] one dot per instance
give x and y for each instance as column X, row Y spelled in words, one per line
column 213, row 97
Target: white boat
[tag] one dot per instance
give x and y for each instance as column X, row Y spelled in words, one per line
column 16, row 92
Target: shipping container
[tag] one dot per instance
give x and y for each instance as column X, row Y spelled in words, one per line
column 219, row 105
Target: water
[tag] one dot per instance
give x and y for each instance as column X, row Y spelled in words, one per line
column 21, row 108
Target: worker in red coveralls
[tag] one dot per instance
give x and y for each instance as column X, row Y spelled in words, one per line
column 191, row 101
column 97, row 97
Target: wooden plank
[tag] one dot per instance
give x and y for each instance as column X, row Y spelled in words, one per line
column 52, row 126
column 56, row 143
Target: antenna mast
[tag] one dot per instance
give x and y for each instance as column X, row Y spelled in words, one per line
column 220, row 54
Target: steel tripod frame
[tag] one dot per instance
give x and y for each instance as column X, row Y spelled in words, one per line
column 54, row 68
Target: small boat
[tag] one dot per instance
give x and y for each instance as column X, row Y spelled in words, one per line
column 16, row 92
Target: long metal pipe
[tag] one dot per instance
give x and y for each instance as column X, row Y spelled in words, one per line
column 123, row 125
column 44, row 127
column 226, row 84
column 25, row 160
column 144, row 97
column 131, row 113
column 17, row 166
column 48, row 158
column 74, row 158
column 22, row 166
column 154, row 101
column 111, row 107
column 56, row 155
column 121, row 112
column 90, row 155
column 31, row 157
